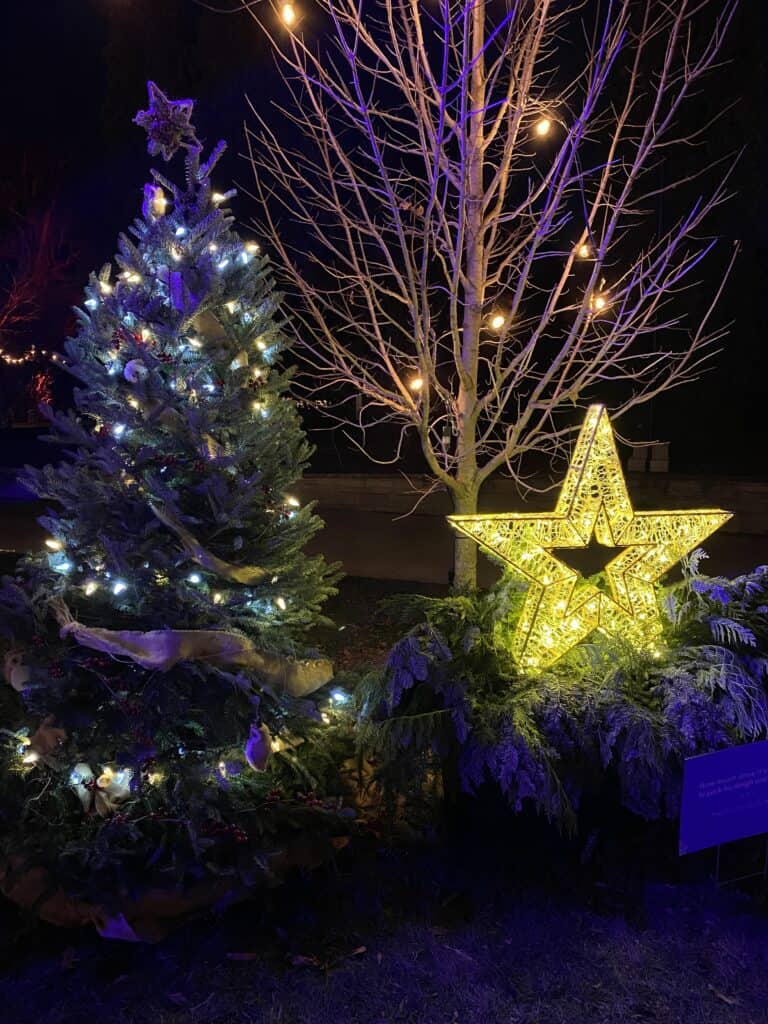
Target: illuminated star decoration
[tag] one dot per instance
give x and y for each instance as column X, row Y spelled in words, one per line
column 561, row 608
column 167, row 123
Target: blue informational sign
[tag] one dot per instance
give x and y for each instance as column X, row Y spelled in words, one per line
column 725, row 796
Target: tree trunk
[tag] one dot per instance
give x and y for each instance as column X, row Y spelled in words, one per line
column 465, row 495
column 464, row 549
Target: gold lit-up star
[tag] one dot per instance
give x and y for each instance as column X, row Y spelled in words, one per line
column 561, row 608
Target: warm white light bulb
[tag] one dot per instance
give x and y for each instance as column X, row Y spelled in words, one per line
column 159, row 203
column 598, row 302
column 584, row 252
column 53, row 545
column 280, row 602
column 218, row 197
column 91, row 587
column 497, row 321
column 195, row 343
column 288, row 14
column 543, row 127
column 416, row 383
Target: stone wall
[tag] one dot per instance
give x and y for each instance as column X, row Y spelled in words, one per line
column 396, row 495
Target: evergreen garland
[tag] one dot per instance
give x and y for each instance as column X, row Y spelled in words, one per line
column 450, row 701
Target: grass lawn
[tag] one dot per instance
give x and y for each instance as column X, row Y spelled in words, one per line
column 500, row 922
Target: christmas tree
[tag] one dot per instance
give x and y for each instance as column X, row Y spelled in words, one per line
column 162, row 729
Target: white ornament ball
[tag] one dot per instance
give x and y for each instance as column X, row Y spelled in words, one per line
column 134, row 371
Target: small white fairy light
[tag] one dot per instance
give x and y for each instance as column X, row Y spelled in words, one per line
column 281, row 603
column 53, row 544
column 194, row 577
column 118, row 587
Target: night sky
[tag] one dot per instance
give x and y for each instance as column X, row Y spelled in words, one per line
column 73, row 75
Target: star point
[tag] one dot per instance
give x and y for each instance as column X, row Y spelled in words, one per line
column 561, row 608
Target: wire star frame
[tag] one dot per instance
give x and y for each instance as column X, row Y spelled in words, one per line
column 561, row 608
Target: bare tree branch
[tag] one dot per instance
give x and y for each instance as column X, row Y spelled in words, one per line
column 462, row 159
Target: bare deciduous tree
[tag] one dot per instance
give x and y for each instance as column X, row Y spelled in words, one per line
column 474, row 247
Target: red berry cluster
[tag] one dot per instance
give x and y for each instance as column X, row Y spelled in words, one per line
column 274, row 796
column 56, row 671
column 119, row 819
column 220, row 830
column 309, row 799
column 168, row 460
column 198, row 466
column 94, row 663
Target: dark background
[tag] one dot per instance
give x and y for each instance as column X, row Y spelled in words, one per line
column 73, row 75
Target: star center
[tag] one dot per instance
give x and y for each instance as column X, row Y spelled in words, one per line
column 590, row 560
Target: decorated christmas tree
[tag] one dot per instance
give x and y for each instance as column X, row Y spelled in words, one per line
column 161, row 730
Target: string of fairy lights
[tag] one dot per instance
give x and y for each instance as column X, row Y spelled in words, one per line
column 32, row 354
column 498, row 319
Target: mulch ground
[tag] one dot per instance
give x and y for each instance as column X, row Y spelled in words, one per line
column 495, row 921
